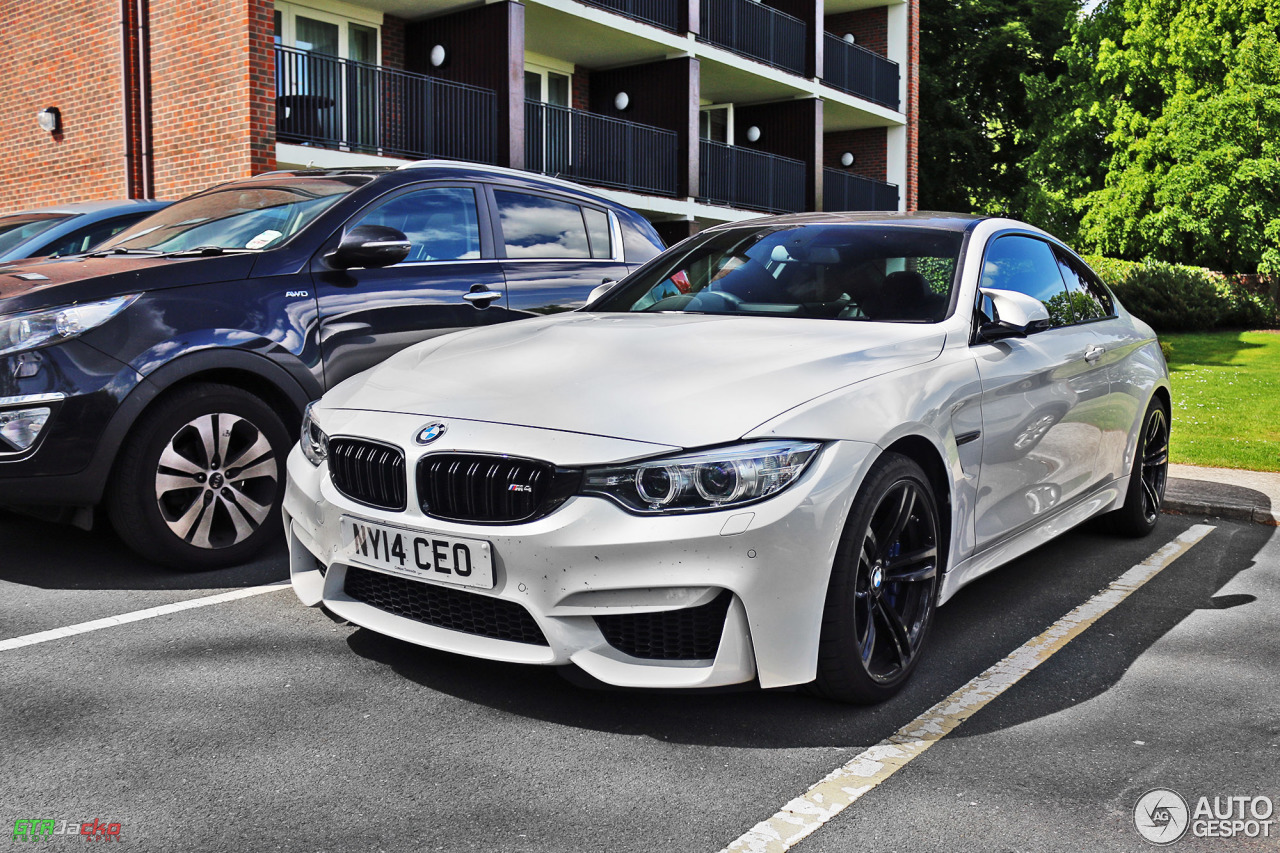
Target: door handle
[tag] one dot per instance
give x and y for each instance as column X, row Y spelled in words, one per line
column 481, row 296
column 1093, row 353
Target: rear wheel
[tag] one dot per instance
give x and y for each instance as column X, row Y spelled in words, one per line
column 1148, row 478
column 200, row 483
column 884, row 586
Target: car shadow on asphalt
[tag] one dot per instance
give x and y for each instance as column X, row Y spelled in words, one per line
column 47, row 555
column 979, row 626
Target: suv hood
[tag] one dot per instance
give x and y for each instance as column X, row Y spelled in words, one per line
column 27, row 285
column 684, row 380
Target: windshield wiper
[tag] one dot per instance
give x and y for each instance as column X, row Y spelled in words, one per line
column 121, row 250
column 204, row 251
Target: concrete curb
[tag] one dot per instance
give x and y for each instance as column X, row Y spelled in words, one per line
column 1224, row 493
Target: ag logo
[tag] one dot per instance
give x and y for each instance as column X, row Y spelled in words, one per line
column 430, row 433
column 1161, row 816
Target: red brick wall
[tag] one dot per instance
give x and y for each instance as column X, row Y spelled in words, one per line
column 64, row 54
column 393, row 41
column 581, row 87
column 868, row 147
column 213, row 103
column 869, row 26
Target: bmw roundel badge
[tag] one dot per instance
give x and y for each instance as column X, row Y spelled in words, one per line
column 430, row 433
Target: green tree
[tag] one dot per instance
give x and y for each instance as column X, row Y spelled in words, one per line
column 1161, row 135
column 975, row 58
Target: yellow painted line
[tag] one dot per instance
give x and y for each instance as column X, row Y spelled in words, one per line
column 125, row 618
column 841, row 788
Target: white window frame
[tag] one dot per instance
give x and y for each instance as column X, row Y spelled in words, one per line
column 331, row 12
column 729, row 126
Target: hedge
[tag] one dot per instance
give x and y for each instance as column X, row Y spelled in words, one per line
column 1175, row 298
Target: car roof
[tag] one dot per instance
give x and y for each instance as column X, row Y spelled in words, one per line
column 85, row 207
column 923, row 218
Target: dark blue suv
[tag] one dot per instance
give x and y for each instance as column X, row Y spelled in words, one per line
column 163, row 375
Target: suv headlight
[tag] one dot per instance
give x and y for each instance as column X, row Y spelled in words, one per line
column 706, row 480
column 315, row 444
column 31, row 329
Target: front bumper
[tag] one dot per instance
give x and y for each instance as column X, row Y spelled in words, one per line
column 592, row 559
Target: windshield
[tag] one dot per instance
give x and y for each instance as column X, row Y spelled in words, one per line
column 16, row 229
column 876, row 272
column 246, row 216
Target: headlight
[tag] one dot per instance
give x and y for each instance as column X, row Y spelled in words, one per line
column 315, row 444
column 712, row 479
column 34, row 328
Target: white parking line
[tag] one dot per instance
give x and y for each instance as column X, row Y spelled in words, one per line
column 125, row 618
column 841, row 788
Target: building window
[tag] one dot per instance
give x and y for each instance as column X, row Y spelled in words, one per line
column 715, row 122
column 330, row 33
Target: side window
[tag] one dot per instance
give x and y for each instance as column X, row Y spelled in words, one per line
column 598, row 231
column 535, row 226
column 441, row 223
column 84, row 239
column 639, row 245
column 1027, row 265
column 1089, row 299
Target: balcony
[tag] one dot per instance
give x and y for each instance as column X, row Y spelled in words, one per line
column 730, row 174
column 596, row 149
column 854, row 69
column 664, row 14
column 755, row 30
column 354, row 106
column 846, row 191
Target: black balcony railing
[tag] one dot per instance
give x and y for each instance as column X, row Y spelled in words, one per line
column 355, row 106
column 596, row 149
column 730, row 174
column 755, row 30
column 854, row 69
column 660, row 13
column 847, row 191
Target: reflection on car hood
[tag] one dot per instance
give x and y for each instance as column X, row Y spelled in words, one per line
column 682, row 380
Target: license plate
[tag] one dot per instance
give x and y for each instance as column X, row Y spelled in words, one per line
column 419, row 555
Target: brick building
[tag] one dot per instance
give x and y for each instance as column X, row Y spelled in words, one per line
column 691, row 111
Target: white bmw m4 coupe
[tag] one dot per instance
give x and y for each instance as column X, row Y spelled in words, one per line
column 769, row 454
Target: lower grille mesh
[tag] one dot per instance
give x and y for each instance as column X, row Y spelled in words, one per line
column 692, row 633
column 454, row 609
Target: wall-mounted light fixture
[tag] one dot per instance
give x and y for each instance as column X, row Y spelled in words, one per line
column 621, row 101
column 438, row 56
column 846, row 159
column 49, row 119
column 850, row 38
column 753, row 134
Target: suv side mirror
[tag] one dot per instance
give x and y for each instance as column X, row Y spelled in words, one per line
column 599, row 290
column 369, row 246
column 1016, row 315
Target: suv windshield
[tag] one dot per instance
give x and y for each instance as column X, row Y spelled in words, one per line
column 877, row 272
column 23, row 226
column 250, row 216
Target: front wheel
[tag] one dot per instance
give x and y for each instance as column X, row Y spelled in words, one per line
column 199, row 484
column 1148, row 478
column 884, row 586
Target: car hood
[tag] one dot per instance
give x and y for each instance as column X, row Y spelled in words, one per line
column 684, row 380
column 43, row 283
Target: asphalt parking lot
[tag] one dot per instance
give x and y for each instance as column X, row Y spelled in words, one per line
column 256, row 723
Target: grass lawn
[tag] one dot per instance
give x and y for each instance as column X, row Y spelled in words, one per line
column 1226, row 399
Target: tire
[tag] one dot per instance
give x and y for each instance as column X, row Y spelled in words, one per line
column 884, row 586
column 1148, row 477
column 171, row 499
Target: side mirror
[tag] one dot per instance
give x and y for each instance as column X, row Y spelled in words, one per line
column 1016, row 315
column 370, row 246
column 600, row 290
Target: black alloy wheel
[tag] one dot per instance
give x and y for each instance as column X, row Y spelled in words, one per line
column 1149, row 476
column 884, row 586
column 200, row 483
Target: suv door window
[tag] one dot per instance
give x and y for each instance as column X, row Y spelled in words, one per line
column 1027, row 265
column 1089, row 299
column 535, row 226
column 442, row 223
